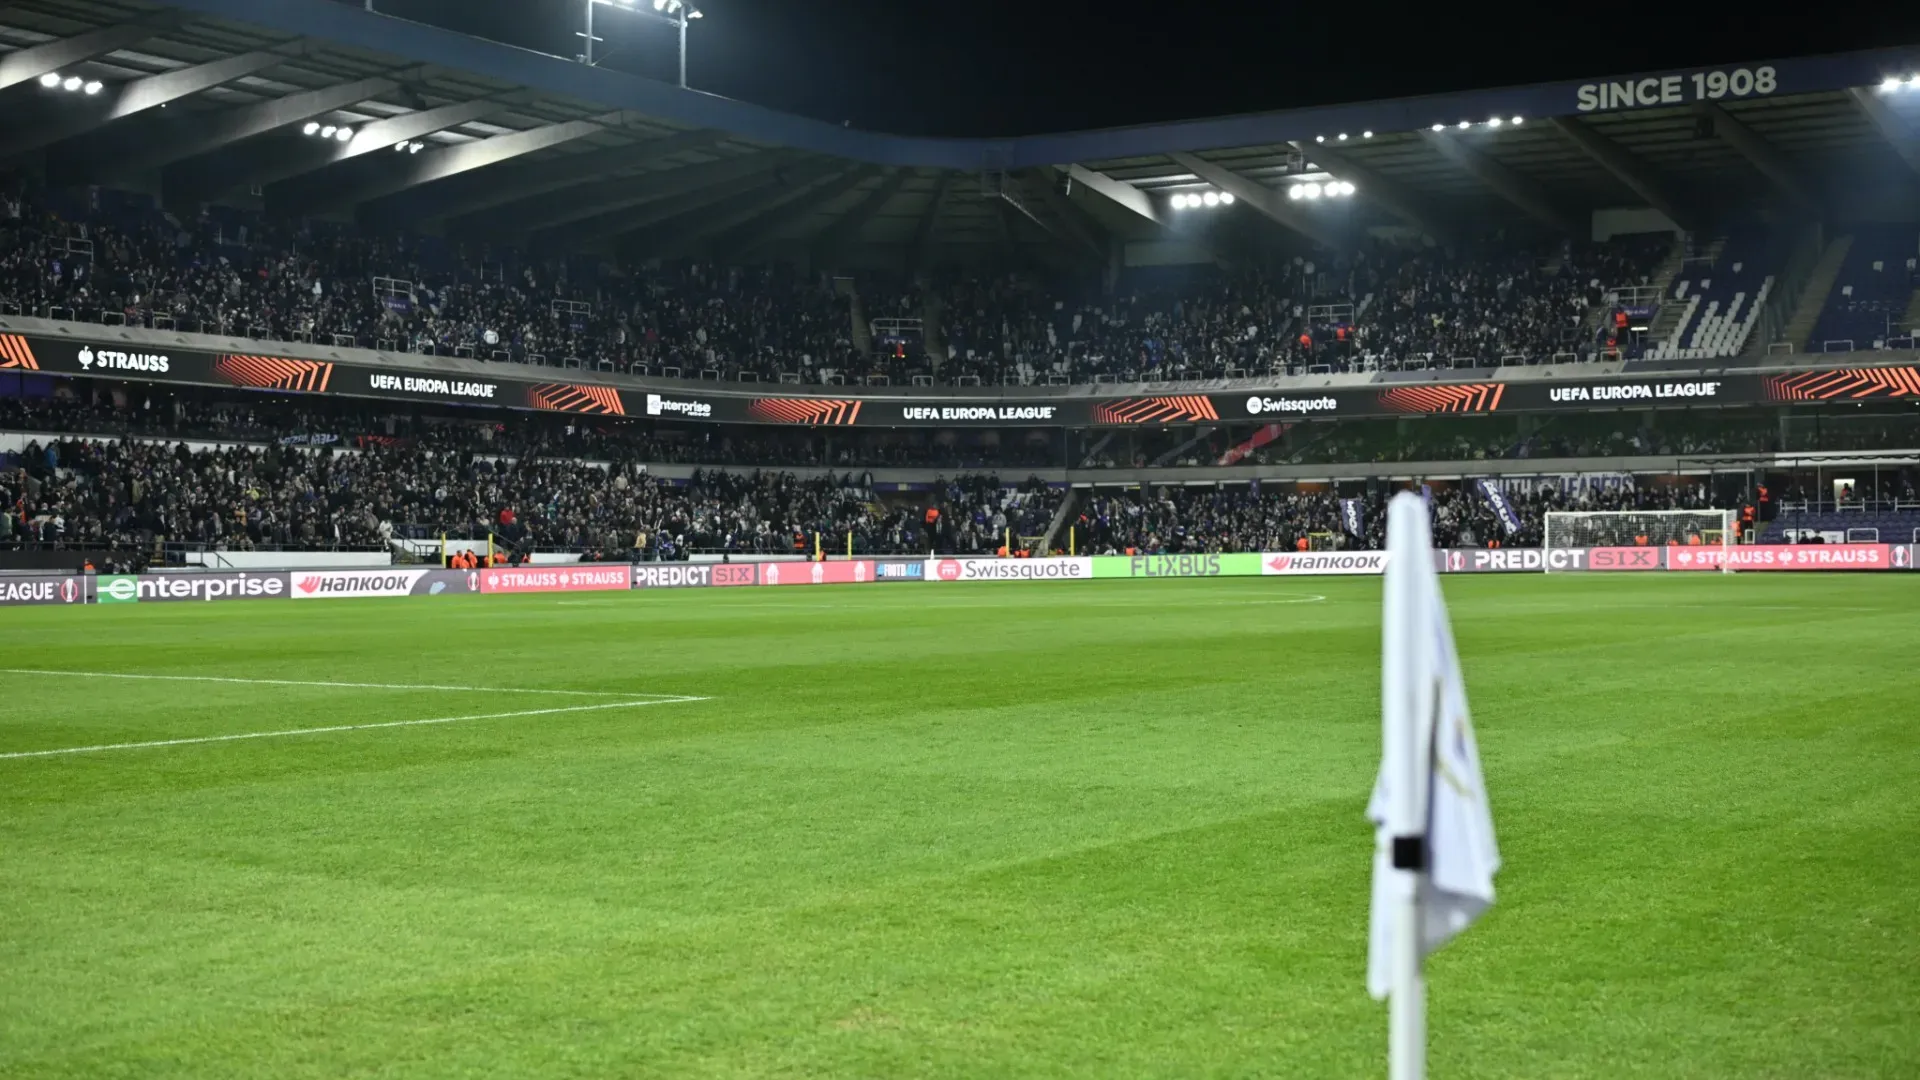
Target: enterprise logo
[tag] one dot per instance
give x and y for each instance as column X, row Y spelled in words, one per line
column 1258, row 405
column 657, row 405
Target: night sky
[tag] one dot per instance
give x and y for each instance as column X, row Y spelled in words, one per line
column 949, row 67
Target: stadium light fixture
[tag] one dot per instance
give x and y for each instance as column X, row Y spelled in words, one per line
column 1211, row 198
column 1319, row 138
column 1913, row 82
column 311, row 127
column 1295, row 192
column 327, row 132
column 1494, row 123
column 1517, row 121
column 1887, row 85
column 93, row 87
column 1178, row 202
column 1366, row 134
column 1226, row 198
column 1343, row 136
column 1464, row 125
column 1439, row 127
column 71, row 82
column 52, row 79
column 675, row 13
column 343, row 134
column 1310, row 191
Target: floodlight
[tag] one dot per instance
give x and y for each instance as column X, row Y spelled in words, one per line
column 52, row 79
column 1366, row 134
column 1887, row 85
column 310, row 127
column 1226, row 198
column 72, row 82
column 1516, row 121
column 1179, row 202
column 343, row 134
column 93, row 86
column 1494, row 123
column 327, row 132
column 1211, row 198
column 1463, row 125
column 1439, row 127
column 1310, row 191
column 1294, row 192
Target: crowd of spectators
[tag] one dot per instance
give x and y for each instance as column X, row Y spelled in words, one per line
column 1385, row 306
column 117, row 258
column 133, row 494
column 1176, row 520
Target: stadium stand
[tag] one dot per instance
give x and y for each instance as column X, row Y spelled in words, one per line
column 1872, row 292
column 1721, row 294
column 118, row 259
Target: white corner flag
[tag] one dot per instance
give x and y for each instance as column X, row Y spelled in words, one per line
column 1434, row 853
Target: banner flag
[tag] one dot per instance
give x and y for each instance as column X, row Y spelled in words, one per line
column 1502, row 506
column 1353, row 518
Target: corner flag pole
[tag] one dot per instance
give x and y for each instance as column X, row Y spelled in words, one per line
column 1400, row 647
column 1434, row 850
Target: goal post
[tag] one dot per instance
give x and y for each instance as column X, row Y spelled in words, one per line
column 1641, row 528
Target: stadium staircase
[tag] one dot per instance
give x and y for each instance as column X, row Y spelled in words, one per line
column 1808, row 246
column 933, row 330
column 856, row 311
column 1667, row 322
column 1060, row 519
column 1092, row 455
column 1813, row 298
column 1662, row 284
column 1168, row 458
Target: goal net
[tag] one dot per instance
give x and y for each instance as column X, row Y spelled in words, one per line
column 1640, row 528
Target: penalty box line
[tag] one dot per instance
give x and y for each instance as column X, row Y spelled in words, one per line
column 339, row 685
column 676, row 700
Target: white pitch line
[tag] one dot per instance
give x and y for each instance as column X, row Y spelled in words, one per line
column 335, row 685
column 341, row 727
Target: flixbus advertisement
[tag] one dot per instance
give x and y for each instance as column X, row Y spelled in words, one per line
column 1244, row 564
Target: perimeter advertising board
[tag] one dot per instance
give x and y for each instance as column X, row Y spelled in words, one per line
column 1314, row 563
column 541, row 579
column 976, row 569
column 1783, row 557
column 204, row 586
column 1241, row 564
column 348, row 584
column 1537, row 560
column 849, row 572
column 18, row 589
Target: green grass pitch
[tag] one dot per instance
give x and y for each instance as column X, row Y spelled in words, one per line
column 1107, row 829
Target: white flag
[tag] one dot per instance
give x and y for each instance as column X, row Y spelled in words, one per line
column 1429, row 784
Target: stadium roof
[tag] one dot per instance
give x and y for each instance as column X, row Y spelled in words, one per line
column 208, row 98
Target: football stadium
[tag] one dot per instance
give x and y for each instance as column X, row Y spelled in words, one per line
column 1412, row 585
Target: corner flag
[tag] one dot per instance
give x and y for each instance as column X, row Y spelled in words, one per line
column 1434, row 852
